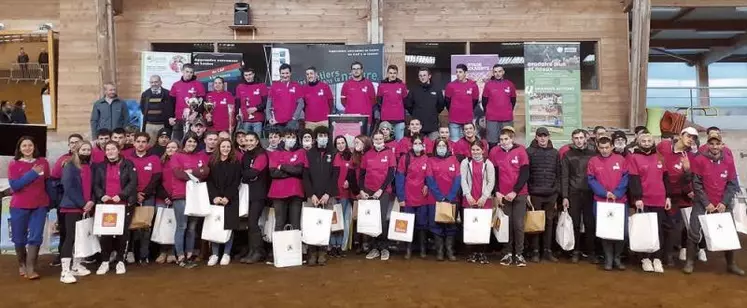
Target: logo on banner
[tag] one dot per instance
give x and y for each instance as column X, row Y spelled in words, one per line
column 400, row 226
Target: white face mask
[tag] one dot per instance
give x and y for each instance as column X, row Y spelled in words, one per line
column 307, row 144
column 322, row 142
column 290, row 143
column 441, row 151
column 477, row 158
column 379, row 147
column 418, row 148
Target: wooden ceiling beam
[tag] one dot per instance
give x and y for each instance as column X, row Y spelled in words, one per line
column 719, row 53
column 702, row 25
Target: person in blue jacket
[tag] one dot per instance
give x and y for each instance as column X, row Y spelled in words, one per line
column 444, row 182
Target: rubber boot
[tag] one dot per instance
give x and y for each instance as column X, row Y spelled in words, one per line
column 31, row 257
column 21, row 255
column 450, row 248
column 692, row 251
column 408, row 251
column 311, row 255
column 439, row 247
column 322, row 259
column 618, row 247
column 731, row 264
column 66, row 276
column 423, row 239
column 608, row 254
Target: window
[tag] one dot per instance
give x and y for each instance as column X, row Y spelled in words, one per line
column 435, row 56
column 731, row 77
column 671, row 84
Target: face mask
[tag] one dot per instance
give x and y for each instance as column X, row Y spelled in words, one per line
column 441, row 151
column 307, row 144
column 619, row 145
column 506, row 147
column 417, row 148
column 322, row 142
column 272, row 146
column 477, row 158
column 379, row 147
column 290, row 143
column 85, row 158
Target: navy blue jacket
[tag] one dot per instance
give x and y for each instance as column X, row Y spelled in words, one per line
column 72, row 183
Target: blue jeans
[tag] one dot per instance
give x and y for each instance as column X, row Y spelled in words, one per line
column 27, row 226
column 399, row 131
column 340, row 239
column 227, row 247
column 425, row 216
column 251, row 126
column 494, row 128
column 184, row 225
column 456, row 131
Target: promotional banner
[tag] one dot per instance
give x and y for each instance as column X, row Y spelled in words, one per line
column 210, row 65
column 168, row 65
column 553, row 88
column 479, row 67
column 51, row 236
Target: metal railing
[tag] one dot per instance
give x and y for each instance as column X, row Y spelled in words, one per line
column 18, row 72
column 702, row 105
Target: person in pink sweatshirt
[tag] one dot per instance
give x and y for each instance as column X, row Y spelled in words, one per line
column 462, row 146
column 149, row 174
column 462, row 96
column 413, row 193
column 251, row 100
column 444, row 182
column 285, row 100
column 358, row 94
column 102, row 137
column 377, row 169
column 181, row 91
column 27, row 174
column 164, row 194
column 498, row 101
column 223, row 115
column 54, row 187
column 318, row 100
column 391, row 97
column 286, row 167
column 404, row 145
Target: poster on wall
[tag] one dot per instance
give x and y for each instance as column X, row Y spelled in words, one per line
column 168, row 65
column 479, row 69
column 210, row 65
column 332, row 62
column 553, row 88
column 50, row 238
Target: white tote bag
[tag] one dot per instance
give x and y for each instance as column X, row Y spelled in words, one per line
column 401, row 227
column 611, row 221
column 369, row 217
column 86, row 243
column 316, row 225
column 500, row 226
column 338, row 220
column 244, row 200
column 213, row 227
column 740, row 214
column 686, row 216
column 109, row 219
column 164, row 228
column 267, row 220
column 197, row 199
column 477, row 224
column 286, row 248
column 564, row 234
column 719, row 231
column 644, row 232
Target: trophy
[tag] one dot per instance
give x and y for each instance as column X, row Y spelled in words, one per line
column 230, row 119
column 193, row 103
column 209, row 106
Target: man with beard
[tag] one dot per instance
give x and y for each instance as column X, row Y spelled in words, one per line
column 358, row 95
column 544, row 185
column 577, row 196
column 109, row 111
column 183, row 89
column 619, row 142
column 425, row 103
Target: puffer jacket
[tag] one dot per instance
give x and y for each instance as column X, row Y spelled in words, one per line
column 573, row 170
column 544, row 169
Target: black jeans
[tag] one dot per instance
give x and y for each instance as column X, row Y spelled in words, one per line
column 287, row 211
column 62, row 227
column 581, row 204
column 68, row 243
column 547, row 204
column 255, row 234
column 117, row 243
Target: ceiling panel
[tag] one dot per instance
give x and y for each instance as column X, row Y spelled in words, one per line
column 715, row 13
column 691, row 34
column 664, row 13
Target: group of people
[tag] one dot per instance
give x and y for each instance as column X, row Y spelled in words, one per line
column 13, row 113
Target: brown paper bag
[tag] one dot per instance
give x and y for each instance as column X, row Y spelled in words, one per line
column 142, row 217
column 534, row 221
column 445, row 212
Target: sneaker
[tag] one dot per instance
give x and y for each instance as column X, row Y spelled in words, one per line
column 646, row 265
column 373, row 254
column 161, row 259
column 225, row 260
column 213, row 260
column 120, row 268
column 658, row 268
column 507, row 259
column 103, row 268
column 683, row 254
column 702, row 256
column 483, row 258
column 171, row 259
column 89, row 260
column 144, row 262
column 130, row 258
column 385, row 255
column 67, row 277
column 472, row 258
column 56, row 262
column 80, row 270
column 520, row 261
column 186, row 263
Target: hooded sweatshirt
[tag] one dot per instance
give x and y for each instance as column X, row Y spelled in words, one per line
column 180, row 92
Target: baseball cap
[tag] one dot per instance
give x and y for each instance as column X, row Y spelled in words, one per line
column 604, row 136
column 690, row 131
column 386, row 124
column 714, row 135
column 542, row 131
column 508, row 128
column 199, row 121
column 163, row 132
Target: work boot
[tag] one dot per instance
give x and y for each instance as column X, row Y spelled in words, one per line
column 423, row 239
column 608, row 255
column 439, row 247
column 311, row 256
column 548, row 256
column 31, row 257
column 21, row 255
column 731, row 264
column 322, row 259
column 450, row 248
column 535, row 256
column 408, row 251
column 594, row 259
column 575, row 257
column 690, row 261
column 618, row 249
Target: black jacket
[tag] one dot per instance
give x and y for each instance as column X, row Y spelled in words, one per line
column 257, row 178
column 127, row 181
column 223, row 181
column 544, row 170
column 18, row 116
column 320, row 177
column 573, row 177
column 425, row 103
column 156, row 109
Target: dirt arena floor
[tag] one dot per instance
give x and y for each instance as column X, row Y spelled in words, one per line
column 356, row 282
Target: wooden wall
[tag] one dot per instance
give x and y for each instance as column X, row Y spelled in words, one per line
column 9, row 52
column 28, row 14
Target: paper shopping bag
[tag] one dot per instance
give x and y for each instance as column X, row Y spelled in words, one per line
column 720, row 232
column 500, row 225
column 338, row 223
column 268, row 227
column 396, row 207
column 164, row 228
column 243, row 200
column 51, row 236
column 610, row 221
column 401, row 227
column 644, row 232
column 686, row 211
column 286, row 248
column 316, row 225
column 534, row 221
column 197, row 199
column 564, row 235
column 739, row 211
column 213, row 227
column 142, row 217
column 109, row 219
column 445, row 212
column 477, row 224
column 369, row 217
column 86, row 243
column 355, row 210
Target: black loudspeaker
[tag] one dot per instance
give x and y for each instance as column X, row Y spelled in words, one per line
column 241, row 14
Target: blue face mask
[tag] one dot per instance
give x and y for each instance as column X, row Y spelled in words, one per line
column 418, row 148
column 441, row 151
column 290, row 143
column 477, row 158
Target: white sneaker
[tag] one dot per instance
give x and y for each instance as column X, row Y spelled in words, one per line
column 78, row 269
column 658, row 268
column 702, row 256
column 67, row 277
column 103, row 268
column 213, row 260
column 130, row 258
column 225, row 260
column 373, row 254
column 385, row 255
column 121, row 268
column 683, row 254
column 647, row 265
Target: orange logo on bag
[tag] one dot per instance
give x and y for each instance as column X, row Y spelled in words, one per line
column 400, row 226
column 334, row 218
column 109, row 220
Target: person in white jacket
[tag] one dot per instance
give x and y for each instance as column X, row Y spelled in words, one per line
column 478, row 179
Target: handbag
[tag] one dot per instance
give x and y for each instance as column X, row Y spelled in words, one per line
column 611, row 221
column 109, row 219
column 164, row 228
column 534, row 221
column 369, row 217
column 213, row 228
column 445, row 212
column 197, row 199
column 142, row 217
column 86, row 243
column 686, row 211
column 477, row 223
column 338, row 223
column 401, row 227
column 720, row 232
column 286, row 248
column 564, row 234
column 740, row 214
column 644, row 232
column 316, row 225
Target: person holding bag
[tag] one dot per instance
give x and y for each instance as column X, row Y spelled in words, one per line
column 715, row 184
column 477, row 180
column 149, row 173
column 286, row 189
column 77, row 183
column 649, row 189
column 361, row 145
column 189, row 161
column 223, row 188
column 444, row 181
column 163, row 194
column 115, row 182
column 255, row 173
column 576, row 195
column 543, row 186
column 375, row 179
column 414, row 196
column 317, row 179
column 27, row 174
column 341, row 169
column 607, row 174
